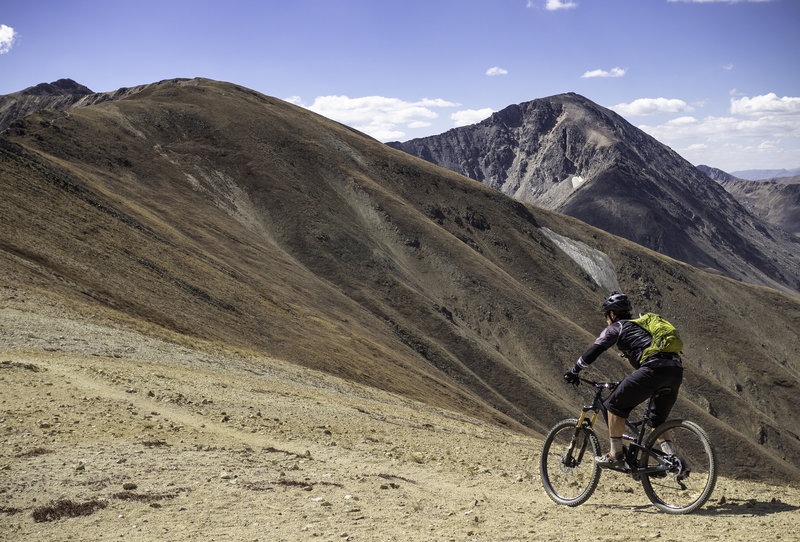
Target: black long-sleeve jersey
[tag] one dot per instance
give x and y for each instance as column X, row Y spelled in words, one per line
column 630, row 338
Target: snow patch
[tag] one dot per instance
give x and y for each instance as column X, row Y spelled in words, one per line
column 596, row 263
column 577, row 180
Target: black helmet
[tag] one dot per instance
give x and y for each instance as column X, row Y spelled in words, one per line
column 618, row 303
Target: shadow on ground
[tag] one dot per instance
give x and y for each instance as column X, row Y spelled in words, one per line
column 748, row 507
column 724, row 507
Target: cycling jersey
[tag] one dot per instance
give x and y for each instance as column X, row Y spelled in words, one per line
column 660, row 372
column 631, row 339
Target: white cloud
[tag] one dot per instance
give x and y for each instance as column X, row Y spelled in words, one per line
column 553, row 5
column 381, row 117
column 7, row 37
column 682, row 121
column 724, row 128
column 760, row 132
column 470, row 116
column 651, row 106
column 496, row 70
column 728, row 67
column 615, row 72
column 768, row 104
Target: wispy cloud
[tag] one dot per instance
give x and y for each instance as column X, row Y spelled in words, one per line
column 651, row 106
column 381, row 117
column 728, row 67
column 553, row 5
column 496, row 70
column 470, row 116
column 615, row 72
column 7, row 37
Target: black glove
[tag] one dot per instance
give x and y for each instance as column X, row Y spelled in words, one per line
column 571, row 377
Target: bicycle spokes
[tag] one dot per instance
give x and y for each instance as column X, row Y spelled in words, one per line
column 677, row 483
column 567, row 466
column 682, row 482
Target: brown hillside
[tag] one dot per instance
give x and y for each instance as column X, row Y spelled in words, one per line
column 206, row 211
column 775, row 200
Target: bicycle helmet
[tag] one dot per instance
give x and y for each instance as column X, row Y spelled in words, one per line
column 618, row 303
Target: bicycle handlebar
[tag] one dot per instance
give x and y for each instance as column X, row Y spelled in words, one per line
column 607, row 385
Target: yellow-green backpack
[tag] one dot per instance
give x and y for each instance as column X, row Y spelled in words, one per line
column 665, row 337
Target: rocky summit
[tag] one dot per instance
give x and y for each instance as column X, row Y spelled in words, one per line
column 570, row 155
column 62, row 95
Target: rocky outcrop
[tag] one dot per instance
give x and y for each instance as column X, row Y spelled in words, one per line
column 61, row 94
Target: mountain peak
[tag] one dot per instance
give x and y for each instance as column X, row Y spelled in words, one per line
column 569, row 154
column 57, row 88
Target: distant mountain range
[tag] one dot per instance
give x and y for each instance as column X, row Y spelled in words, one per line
column 194, row 209
column 791, row 177
column 570, row 155
column 765, row 174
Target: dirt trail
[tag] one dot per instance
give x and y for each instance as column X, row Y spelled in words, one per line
column 220, row 446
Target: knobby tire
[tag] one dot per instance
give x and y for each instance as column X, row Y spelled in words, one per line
column 675, row 492
column 570, row 478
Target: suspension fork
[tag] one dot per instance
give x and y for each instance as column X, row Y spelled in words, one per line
column 583, row 443
column 585, row 414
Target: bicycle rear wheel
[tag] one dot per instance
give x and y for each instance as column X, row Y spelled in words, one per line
column 688, row 484
column 569, row 473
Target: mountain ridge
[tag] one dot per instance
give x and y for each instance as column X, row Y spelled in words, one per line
column 61, row 95
column 775, row 201
column 765, row 174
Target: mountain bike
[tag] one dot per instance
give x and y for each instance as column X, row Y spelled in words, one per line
column 677, row 484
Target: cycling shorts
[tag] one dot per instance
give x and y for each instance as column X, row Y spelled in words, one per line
column 638, row 386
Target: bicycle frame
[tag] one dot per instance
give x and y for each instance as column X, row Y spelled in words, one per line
column 635, row 448
column 676, row 483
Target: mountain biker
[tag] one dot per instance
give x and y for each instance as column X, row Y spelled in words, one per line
column 659, row 372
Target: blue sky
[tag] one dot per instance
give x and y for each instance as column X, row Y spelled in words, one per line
column 716, row 80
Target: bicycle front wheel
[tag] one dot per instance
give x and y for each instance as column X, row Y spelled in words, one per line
column 569, row 473
column 688, row 483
